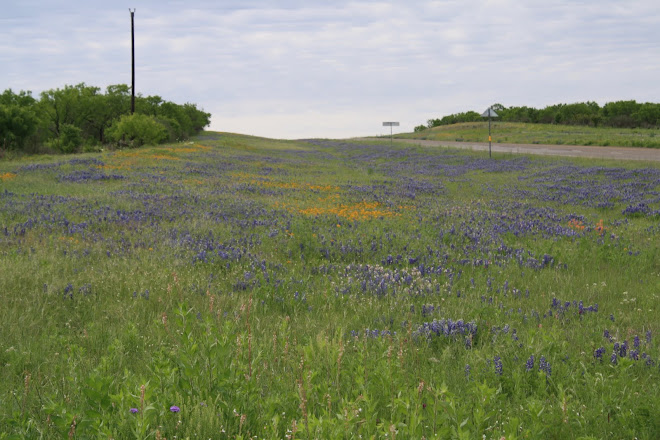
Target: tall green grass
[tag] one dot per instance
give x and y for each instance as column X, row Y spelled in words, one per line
column 248, row 288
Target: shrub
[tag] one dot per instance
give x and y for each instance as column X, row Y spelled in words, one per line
column 136, row 130
column 70, row 138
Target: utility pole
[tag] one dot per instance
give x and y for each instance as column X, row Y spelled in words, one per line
column 132, row 61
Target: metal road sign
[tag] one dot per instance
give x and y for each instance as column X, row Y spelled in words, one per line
column 489, row 113
column 391, row 124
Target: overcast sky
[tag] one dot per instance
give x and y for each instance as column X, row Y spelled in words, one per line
column 315, row 68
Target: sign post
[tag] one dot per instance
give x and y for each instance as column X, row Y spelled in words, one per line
column 489, row 113
column 391, row 124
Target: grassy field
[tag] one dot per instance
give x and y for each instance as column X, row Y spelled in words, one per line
column 520, row 133
column 237, row 287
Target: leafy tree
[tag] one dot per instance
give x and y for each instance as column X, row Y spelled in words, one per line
column 648, row 115
column 620, row 113
column 22, row 99
column 17, row 124
column 72, row 105
column 104, row 109
column 578, row 114
column 518, row 114
column 199, row 118
column 18, row 119
column 173, row 112
column 148, row 105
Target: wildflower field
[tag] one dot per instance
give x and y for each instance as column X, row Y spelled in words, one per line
column 238, row 287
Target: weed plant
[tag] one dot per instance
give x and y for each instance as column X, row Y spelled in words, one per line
column 239, row 287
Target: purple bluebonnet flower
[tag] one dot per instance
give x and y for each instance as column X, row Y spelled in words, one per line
column 134, row 410
column 634, row 355
column 545, row 366
column 530, row 363
column 175, row 409
column 497, row 361
column 648, row 337
column 68, row 290
column 467, row 370
column 598, row 353
column 636, row 342
column 613, row 358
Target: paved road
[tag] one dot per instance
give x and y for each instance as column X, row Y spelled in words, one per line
column 616, row 153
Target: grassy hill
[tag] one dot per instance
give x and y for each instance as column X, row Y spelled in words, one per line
column 521, row 133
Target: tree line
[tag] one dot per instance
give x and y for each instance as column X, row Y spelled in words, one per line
column 622, row 114
column 82, row 117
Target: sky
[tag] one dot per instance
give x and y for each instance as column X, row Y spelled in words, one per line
column 292, row 69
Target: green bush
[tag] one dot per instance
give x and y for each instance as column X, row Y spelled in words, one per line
column 136, row 130
column 70, row 138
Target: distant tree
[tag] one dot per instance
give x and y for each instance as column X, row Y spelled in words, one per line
column 578, row 113
column 518, row 114
column 22, row 99
column 200, row 119
column 18, row 119
column 104, row 109
column 620, row 113
column 615, row 114
column 17, row 124
column 148, row 105
column 72, row 105
column 175, row 113
column 648, row 115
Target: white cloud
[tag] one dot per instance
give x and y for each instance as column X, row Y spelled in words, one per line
column 336, row 67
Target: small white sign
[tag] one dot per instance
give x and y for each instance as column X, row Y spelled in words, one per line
column 489, row 113
column 390, row 124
